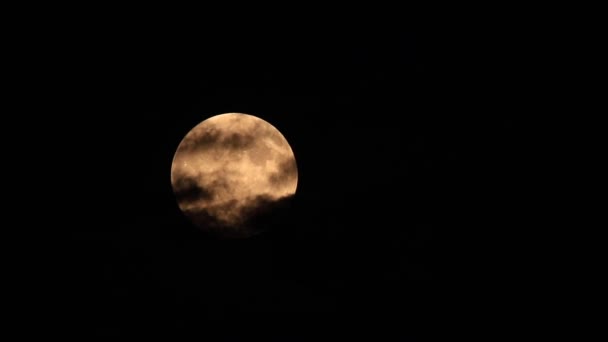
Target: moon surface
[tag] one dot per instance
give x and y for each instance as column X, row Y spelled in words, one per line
column 230, row 170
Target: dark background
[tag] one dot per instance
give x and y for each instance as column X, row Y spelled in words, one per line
column 382, row 121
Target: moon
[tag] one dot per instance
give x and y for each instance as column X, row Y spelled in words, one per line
column 230, row 170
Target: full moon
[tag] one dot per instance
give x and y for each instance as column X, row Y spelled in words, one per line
column 229, row 171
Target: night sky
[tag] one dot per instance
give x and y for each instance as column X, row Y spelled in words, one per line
column 379, row 120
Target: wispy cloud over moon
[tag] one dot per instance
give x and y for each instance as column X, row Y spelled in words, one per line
column 229, row 168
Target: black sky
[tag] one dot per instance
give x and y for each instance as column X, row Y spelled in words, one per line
column 380, row 121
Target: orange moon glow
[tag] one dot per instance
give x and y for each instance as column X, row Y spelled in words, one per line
column 230, row 169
